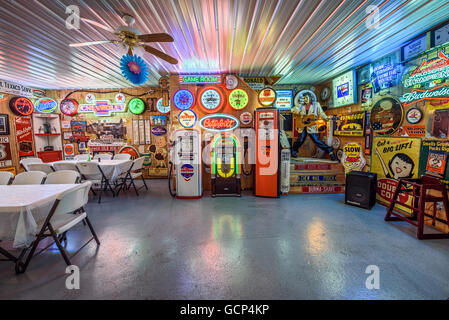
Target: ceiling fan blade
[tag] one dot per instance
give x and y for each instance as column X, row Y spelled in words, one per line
column 84, row 44
column 160, row 54
column 99, row 25
column 156, row 37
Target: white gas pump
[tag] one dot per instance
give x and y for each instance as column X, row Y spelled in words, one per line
column 186, row 158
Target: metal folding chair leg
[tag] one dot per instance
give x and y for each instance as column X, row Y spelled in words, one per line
column 58, row 244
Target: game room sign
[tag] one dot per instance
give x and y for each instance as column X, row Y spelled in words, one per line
column 199, row 79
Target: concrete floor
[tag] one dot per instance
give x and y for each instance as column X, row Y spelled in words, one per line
column 296, row 247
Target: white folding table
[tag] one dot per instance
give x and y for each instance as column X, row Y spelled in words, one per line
column 21, row 208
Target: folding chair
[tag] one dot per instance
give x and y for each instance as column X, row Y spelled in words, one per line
column 30, row 177
column 5, row 177
column 103, row 156
column 58, row 166
column 63, row 177
column 60, row 220
column 43, row 167
column 26, row 161
column 126, row 168
column 135, row 173
column 91, row 171
column 82, row 157
column 122, row 156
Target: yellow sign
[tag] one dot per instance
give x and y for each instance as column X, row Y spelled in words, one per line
column 394, row 158
column 353, row 157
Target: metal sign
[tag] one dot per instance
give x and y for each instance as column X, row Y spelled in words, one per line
column 183, row 99
column 219, row 122
column 187, row 118
column 102, row 108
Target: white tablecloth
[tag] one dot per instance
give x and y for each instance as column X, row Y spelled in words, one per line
column 111, row 168
column 22, row 206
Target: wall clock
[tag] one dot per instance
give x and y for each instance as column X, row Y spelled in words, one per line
column 69, row 107
column 299, row 97
column 344, row 89
column 267, row 97
column 238, row 99
column 325, row 94
column 231, row 82
column 183, row 99
column 211, row 99
column 414, row 115
column 21, row 106
column 136, row 106
column 161, row 108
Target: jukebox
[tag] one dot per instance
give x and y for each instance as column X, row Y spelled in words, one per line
column 225, row 166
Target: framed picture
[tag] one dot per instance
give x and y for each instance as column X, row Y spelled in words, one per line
column 4, row 124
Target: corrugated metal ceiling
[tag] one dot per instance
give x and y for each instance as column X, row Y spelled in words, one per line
column 304, row 41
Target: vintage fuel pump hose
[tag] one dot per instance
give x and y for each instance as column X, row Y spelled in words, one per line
column 245, row 156
column 170, row 171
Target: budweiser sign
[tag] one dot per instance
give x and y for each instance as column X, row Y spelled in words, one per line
column 440, row 92
column 219, row 122
column 429, row 71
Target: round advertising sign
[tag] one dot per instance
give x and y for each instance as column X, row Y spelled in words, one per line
column 69, row 150
column 211, row 99
column 164, row 82
column 414, row 115
column 183, row 99
column 136, row 106
column 187, row 118
column 238, row 99
column 21, row 106
column 90, row 98
column 231, row 82
column 131, row 151
column 120, row 98
column 69, row 107
column 386, row 116
column 45, row 105
column 161, row 108
column 267, row 97
column 246, row 118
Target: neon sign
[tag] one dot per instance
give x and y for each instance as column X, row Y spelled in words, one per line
column 429, row 71
column 21, row 106
column 200, row 79
column 417, row 95
column 136, row 106
column 45, row 105
column 183, row 99
column 102, row 108
column 383, row 76
column 219, row 122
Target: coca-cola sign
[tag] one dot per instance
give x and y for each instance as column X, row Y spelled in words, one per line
column 24, row 136
column 219, row 122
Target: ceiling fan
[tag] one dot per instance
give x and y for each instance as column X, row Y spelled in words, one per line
column 131, row 38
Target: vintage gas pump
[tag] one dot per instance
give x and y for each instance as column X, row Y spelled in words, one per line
column 186, row 157
column 225, row 165
column 267, row 171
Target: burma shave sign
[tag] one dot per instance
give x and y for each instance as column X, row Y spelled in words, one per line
column 219, row 122
column 437, row 93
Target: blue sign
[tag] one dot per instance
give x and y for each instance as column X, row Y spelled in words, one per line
column 187, row 171
column 45, row 105
column 183, row 99
column 284, row 99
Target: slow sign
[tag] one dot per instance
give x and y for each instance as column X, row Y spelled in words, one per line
column 219, row 122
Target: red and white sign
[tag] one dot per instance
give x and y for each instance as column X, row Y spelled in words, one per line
column 246, row 118
column 5, row 152
column 24, row 135
column 219, row 122
column 267, row 97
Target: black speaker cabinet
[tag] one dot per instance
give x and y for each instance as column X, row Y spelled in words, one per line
column 361, row 189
